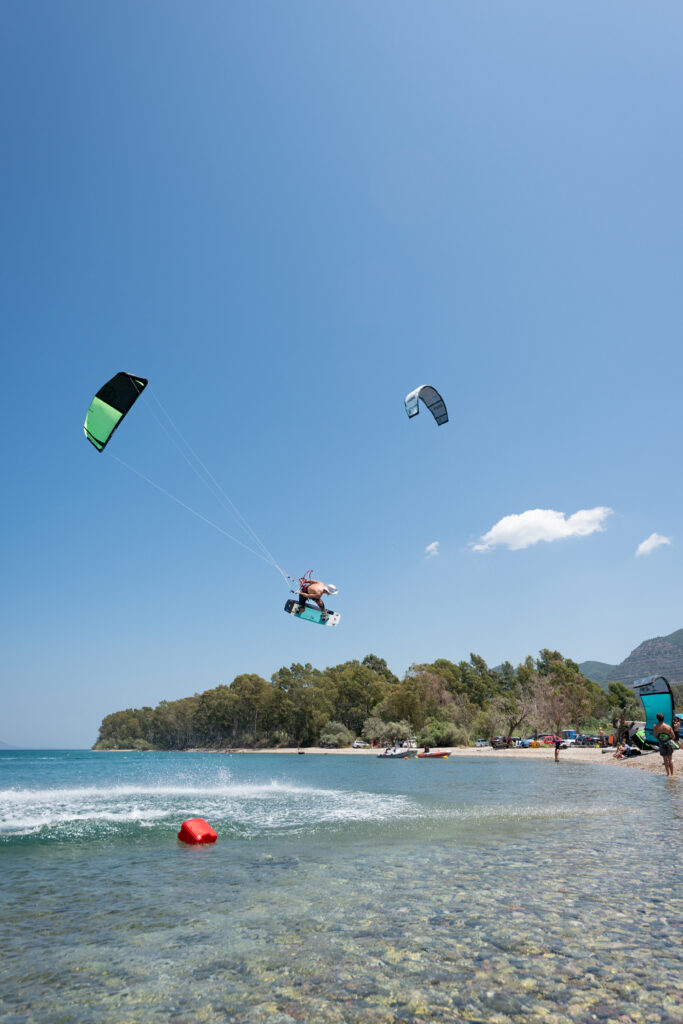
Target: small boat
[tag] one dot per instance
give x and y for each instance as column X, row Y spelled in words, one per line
column 433, row 753
column 398, row 752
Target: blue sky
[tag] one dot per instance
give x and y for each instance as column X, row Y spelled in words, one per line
column 287, row 216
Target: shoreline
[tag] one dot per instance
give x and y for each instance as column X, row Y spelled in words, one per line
column 651, row 763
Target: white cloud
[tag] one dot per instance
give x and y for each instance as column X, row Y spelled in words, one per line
column 655, row 540
column 526, row 528
column 432, row 549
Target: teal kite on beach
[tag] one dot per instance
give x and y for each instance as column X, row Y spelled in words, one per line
column 656, row 696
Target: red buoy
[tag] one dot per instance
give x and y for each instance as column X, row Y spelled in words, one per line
column 196, row 830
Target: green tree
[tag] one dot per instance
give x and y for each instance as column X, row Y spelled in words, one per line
column 562, row 692
column 335, row 734
column 354, row 690
column 398, row 731
column 422, row 694
column 379, row 667
column 294, row 710
column 623, row 704
column 515, row 701
column 252, row 698
column 472, row 679
column 216, row 724
column 440, row 733
column 375, row 730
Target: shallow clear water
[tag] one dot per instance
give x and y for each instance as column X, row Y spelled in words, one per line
column 342, row 889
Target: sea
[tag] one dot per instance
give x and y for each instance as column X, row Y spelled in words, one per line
column 341, row 889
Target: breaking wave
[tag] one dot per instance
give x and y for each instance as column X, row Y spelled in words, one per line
column 237, row 809
column 242, row 808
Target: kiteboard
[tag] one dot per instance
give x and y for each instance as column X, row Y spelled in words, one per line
column 312, row 614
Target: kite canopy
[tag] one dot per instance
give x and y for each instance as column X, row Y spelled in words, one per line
column 110, row 405
column 655, row 695
column 432, row 399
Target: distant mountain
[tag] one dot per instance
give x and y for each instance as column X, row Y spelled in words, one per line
column 663, row 655
column 7, row 746
column 598, row 671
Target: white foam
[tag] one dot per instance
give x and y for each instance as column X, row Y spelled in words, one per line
column 263, row 806
column 251, row 807
column 121, row 791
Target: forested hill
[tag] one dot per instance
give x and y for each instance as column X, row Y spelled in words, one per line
column 662, row 655
column 442, row 703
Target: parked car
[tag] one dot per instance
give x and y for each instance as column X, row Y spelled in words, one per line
column 481, row 743
column 359, row 744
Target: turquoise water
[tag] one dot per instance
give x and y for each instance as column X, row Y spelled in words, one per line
column 345, row 889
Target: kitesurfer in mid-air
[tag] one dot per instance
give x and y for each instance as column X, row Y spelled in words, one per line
column 313, row 590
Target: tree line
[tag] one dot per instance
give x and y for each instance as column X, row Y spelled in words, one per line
column 442, row 703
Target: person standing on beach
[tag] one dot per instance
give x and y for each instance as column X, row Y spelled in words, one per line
column 665, row 737
column 557, row 748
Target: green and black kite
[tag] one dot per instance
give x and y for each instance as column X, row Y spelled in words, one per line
column 110, row 405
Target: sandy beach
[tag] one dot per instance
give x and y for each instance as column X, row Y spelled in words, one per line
column 573, row 755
